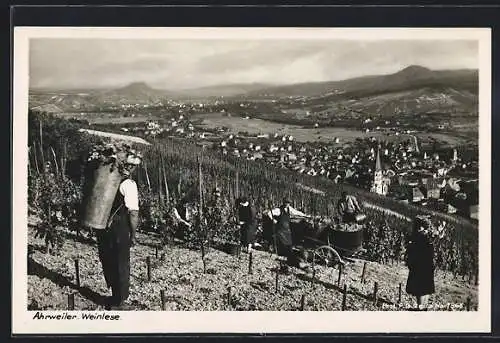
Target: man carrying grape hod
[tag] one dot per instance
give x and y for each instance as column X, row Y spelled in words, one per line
column 114, row 243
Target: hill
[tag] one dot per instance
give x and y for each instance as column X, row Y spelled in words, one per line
column 412, row 90
column 223, row 90
column 409, row 78
column 136, row 92
column 135, row 89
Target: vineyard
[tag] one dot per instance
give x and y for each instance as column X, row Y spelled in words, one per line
column 176, row 169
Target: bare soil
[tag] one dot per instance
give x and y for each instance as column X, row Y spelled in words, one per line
column 180, row 274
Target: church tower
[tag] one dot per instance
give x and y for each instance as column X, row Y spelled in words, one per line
column 455, row 155
column 380, row 180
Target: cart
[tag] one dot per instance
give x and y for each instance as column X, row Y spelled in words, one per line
column 331, row 244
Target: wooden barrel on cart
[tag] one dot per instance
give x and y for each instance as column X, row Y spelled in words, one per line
column 347, row 238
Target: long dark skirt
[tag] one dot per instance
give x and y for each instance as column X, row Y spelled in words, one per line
column 287, row 251
column 248, row 233
column 114, row 254
column 421, row 268
column 420, row 281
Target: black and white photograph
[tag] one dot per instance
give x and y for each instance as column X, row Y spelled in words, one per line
column 239, row 179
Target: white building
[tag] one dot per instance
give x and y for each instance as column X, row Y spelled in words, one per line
column 381, row 182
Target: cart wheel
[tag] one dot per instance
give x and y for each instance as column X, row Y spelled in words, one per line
column 327, row 255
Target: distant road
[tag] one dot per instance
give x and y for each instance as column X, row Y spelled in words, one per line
column 116, row 136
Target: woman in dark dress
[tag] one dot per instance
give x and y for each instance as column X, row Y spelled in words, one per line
column 248, row 223
column 420, row 259
column 282, row 217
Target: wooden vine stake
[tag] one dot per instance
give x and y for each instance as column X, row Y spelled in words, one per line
column 71, row 301
column 375, row 290
column 313, row 276
column 147, row 176
column 344, row 298
column 237, row 185
column 65, row 155
column 200, row 213
column 41, row 141
column 167, row 193
column 468, row 304
column 400, row 292
column 55, row 160
column 363, row 273
column 303, row 302
column 77, row 272
column 35, row 158
column 163, row 300
column 250, row 262
column 160, row 188
column 204, row 260
column 277, row 285
column 340, row 275
column 200, row 187
column 229, row 295
column 148, row 264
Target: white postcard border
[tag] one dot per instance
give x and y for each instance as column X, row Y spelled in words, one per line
column 248, row 322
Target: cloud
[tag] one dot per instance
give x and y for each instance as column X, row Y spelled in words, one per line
column 175, row 64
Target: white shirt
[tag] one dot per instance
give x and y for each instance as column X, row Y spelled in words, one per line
column 128, row 188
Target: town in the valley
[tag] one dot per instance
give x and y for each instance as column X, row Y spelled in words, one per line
column 382, row 154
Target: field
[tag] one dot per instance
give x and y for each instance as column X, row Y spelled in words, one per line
column 236, row 124
column 459, row 139
column 300, row 134
column 180, row 274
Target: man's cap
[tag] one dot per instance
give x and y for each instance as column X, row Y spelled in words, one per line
column 286, row 201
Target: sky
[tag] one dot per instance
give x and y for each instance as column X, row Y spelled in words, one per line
column 183, row 64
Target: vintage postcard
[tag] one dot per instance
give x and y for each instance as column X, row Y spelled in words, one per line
column 251, row 180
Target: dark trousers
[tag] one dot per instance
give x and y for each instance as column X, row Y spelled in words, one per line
column 114, row 254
